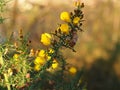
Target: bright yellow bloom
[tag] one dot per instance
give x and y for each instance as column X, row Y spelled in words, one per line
column 72, row 70
column 48, row 57
column 65, row 16
column 39, row 60
column 76, row 20
column 37, row 67
column 46, row 39
column 55, row 64
column 64, row 28
column 41, row 53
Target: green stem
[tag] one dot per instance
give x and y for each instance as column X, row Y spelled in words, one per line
column 1, row 59
column 7, row 82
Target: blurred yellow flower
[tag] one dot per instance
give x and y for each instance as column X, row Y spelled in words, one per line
column 76, row 20
column 46, row 38
column 65, row 16
column 39, row 60
column 55, row 64
column 41, row 53
column 64, row 28
column 72, row 70
column 15, row 56
column 37, row 67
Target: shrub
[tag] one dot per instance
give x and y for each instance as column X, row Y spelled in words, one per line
column 22, row 67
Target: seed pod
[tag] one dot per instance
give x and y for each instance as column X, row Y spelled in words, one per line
column 28, row 43
column 16, row 45
column 37, row 52
column 32, row 53
column 15, row 71
column 20, row 34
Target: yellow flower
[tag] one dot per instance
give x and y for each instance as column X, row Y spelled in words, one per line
column 15, row 56
column 46, row 39
column 37, row 67
column 64, row 28
column 41, row 53
column 39, row 60
column 48, row 57
column 76, row 20
column 55, row 64
column 65, row 16
column 77, row 2
column 72, row 70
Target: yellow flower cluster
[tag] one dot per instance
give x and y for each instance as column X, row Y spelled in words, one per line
column 42, row 58
column 69, row 22
column 65, row 16
column 39, row 60
column 46, row 39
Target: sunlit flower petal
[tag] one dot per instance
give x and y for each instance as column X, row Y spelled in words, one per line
column 41, row 53
column 76, row 20
column 64, row 28
column 46, row 39
column 65, row 16
column 55, row 64
column 37, row 67
column 39, row 60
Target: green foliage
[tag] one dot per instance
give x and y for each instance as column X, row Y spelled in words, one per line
column 14, row 63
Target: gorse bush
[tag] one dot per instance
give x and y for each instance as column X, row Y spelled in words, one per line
column 23, row 68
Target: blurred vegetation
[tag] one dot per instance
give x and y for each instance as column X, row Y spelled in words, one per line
column 2, row 7
column 98, row 47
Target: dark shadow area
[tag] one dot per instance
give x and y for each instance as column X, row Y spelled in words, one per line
column 102, row 75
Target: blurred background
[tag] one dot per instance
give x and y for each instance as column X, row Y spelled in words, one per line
column 98, row 47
